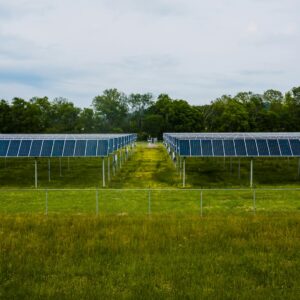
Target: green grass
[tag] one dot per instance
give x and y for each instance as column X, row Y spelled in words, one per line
column 136, row 249
column 165, row 257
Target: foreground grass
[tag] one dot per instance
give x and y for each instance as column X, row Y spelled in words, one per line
column 162, row 257
column 142, row 202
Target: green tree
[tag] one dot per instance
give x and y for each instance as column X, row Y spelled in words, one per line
column 112, row 108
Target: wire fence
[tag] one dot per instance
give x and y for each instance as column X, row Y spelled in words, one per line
column 149, row 201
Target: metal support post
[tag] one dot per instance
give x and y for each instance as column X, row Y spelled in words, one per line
column 49, row 170
column 180, row 167
column 254, row 202
column 251, row 173
column 108, row 168
column 120, row 159
column 239, row 169
column 103, row 172
column 46, row 203
column 183, row 175
column 97, row 202
column 35, row 174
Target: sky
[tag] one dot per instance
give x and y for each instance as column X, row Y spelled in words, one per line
column 190, row 49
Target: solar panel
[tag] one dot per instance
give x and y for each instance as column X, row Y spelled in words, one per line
column 47, row 147
column 285, row 148
column 218, row 147
column 91, row 148
column 229, row 148
column 80, row 148
column 66, row 145
column 295, row 145
column 207, row 148
column 35, row 149
column 4, row 147
column 13, row 149
column 251, row 147
column 25, row 148
column 69, row 148
column 240, row 147
column 274, row 147
column 102, row 148
column 184, row 147
column 262, row 146
column 195, row 148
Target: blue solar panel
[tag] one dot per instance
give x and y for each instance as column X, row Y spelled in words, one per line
column 240, row 147
column 207, row 148
column 58, row 148
column 102, row 148
column 274, row 148
column 46, row 148
column 295, row 145
column 195, row 148
column 25, row 148
column 115, row 144
column 111, row 145
column 80, row 148
column 229, row 148
column 3, row 147
column 285, row 147
column 184, row 148
column 262, row 147
column 35, row 149
column 13, row 149
column 251, row 147
column 218, row 148
column 69, row 148
column 91, row 148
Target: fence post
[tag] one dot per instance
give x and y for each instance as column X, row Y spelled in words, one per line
column 149, row 201
column 46, row 203
column 201, row 204
column 97, row 202
column 254, row 201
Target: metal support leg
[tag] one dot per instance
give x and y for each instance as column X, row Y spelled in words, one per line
column 251, row 173
column 108, row 168
column 239, row 169
column 35, row 174
column 121, row 159
column 180, row 167
column 49, row 170
column 183, row 175
column 103, row 172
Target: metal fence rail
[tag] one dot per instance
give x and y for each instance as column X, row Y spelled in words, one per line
column 150, row 201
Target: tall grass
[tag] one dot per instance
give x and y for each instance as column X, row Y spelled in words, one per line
column 121, row 257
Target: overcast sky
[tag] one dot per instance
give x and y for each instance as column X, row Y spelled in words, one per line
column 191, row 49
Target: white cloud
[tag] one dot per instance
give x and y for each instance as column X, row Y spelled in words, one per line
column 193, row 49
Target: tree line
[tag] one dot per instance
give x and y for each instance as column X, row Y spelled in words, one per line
column 114, row 111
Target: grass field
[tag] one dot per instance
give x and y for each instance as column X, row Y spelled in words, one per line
column 167, row 257
column 140, row 249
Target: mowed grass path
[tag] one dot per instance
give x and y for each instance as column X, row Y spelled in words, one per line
column 150, row 166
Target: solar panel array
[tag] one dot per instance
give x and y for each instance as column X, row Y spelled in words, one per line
column 62, row 145
column 234, row 144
